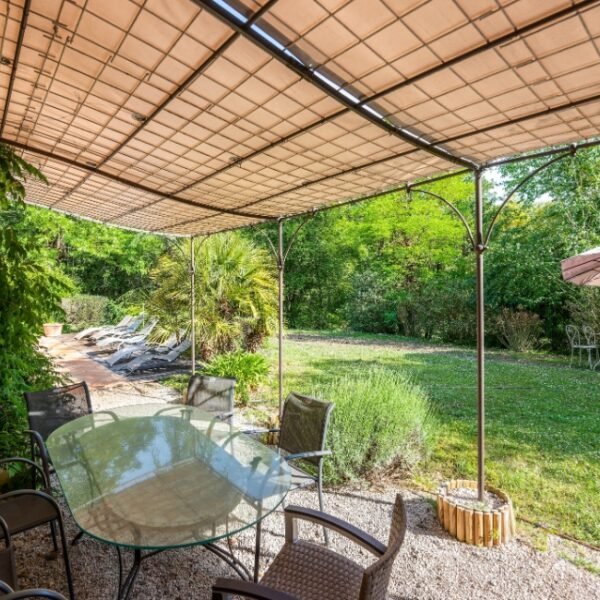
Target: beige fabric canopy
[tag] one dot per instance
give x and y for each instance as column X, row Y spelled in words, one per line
column 188, row 117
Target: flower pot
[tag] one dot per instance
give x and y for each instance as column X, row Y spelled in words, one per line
column 52, row 329
column 469, row 522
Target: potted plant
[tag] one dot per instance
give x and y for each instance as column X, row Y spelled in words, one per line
column 54, row 327
column 488, row 522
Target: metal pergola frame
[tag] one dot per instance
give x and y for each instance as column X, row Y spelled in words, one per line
column 367, row 109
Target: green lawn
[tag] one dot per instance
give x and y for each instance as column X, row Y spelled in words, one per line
column 543, row 420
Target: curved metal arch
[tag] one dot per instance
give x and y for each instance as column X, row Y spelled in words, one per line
column 519, row 186
column 454, row 209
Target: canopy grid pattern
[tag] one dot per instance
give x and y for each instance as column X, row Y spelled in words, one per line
column 189, row 117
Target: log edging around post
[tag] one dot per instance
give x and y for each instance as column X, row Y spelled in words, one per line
column 478, row 528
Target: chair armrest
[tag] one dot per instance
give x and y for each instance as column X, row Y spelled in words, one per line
column 38, row 593
column 259, row 431
column 292, row 513
column 19, row 459
column 6, row 536
column 38, row 440
column 5, row 588
column 311, row 454
column 223, row 588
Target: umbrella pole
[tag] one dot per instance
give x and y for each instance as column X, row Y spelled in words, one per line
column 480, row 293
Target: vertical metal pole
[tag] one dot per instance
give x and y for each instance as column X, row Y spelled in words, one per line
column 193, row 302
column 479, row 250
column 280, row 266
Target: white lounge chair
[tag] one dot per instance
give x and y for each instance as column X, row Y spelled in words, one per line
column 136, row 338
column 129, row 329
column 90, row 330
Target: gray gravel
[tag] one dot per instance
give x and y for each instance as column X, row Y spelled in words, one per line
column 431, row 565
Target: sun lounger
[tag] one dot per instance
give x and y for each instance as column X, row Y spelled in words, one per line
column 153, row 360
column 90, row 330
column 128, row 351
column 119, row 340
column 129, row 329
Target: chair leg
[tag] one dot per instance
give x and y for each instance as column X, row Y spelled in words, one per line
column 320, row 493
column 65, row 551
column 572, row 356
column 53, row 554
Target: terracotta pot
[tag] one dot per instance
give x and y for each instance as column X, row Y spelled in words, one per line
column 52, row 329
column 479, row 528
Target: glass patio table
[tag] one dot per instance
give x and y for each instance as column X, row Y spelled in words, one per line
column 153, row 477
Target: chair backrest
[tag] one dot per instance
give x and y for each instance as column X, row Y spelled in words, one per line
column 8, row 570
column 377, row 576
column 178, row 351
column 589, row 334
column 573, row 335
column 212, row 394
column 147, row 330
column 49, row 409
column 304, row 424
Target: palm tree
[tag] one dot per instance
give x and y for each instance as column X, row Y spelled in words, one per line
column 236, row 293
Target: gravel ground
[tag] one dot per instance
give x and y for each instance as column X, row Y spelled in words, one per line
column 430, row 565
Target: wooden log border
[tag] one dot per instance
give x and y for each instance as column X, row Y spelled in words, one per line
column 478, row 528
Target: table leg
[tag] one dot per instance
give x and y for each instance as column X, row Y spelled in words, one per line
column 257, row 551
column 126, row 588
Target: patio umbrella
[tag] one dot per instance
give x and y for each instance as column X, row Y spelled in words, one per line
column 582, row 269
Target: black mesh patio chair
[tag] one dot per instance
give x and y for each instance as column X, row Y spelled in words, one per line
column 7, row 593
column 49, row 409
column 25, row 509
column 302, row 436
column 306, row 571
column 214, row 395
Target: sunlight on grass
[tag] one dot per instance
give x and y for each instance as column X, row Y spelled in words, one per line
column 543, row 420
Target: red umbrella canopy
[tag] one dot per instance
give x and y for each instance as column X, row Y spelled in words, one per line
column 582, row 269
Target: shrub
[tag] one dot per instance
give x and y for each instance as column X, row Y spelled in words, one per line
column 249, row 370
column 85, row 310
column 370, row 308
column 380, row 419
column 519, row 330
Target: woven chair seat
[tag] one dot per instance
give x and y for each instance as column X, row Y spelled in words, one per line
column 312, row 572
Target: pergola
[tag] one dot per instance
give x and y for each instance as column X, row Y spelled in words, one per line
column 190, row 117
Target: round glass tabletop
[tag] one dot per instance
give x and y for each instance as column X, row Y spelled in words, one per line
column 156, row 476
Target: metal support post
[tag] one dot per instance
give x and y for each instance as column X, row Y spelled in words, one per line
column 480, row 293
column 280, row 267
column 193, row 301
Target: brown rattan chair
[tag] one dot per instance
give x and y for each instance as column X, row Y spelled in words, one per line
column 306, row 571
column 25, row 509
column 214, row 395
column 49, row 409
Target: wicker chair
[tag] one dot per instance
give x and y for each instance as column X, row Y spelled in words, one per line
column 214, row 395
column 306, row 571
column 49, row 409
column 25, row 509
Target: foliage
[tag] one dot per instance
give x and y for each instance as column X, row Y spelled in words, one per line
column 235, row 293
column 100, row 260
column 84, row 310
column 30, row 291
column 542, row 423
column 584, row 308
column 248, row 369
column 519, row 330
column 380, row 419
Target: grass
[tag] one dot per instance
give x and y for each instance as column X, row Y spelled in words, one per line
column 542, row 419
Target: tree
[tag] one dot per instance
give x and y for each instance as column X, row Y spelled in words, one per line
column 235, row 293
column 30, row 290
